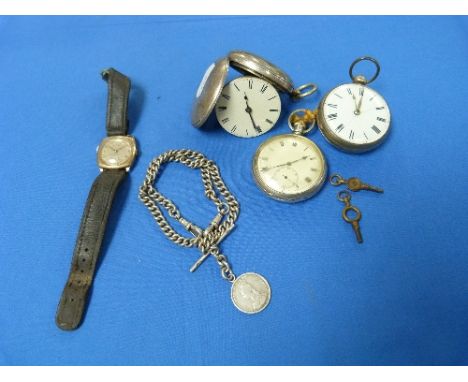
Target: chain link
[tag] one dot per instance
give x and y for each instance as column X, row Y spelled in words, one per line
column 207, row 240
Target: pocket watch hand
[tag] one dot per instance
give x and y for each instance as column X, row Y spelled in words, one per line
column 291, row 162
column 289, row 180
column 248, row 110
column 358, row 109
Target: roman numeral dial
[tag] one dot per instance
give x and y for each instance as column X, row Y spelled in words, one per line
column 354, row 117
column 248, row 107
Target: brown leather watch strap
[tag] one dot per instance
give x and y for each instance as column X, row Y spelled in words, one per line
column 93, row 224
column 117, row 102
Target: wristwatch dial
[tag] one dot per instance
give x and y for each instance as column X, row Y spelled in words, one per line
column 116, row 152
column 289, row 167
column 248, row 107
column 354, row 117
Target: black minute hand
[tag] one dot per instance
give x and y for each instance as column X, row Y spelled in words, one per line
column 248, row 110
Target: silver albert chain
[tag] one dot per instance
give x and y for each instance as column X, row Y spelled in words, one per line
column 250, row 292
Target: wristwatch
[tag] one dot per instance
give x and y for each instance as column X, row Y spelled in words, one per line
column 115, row 156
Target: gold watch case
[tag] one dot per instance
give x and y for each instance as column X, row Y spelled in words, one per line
column 117, row 152
column 298, row 142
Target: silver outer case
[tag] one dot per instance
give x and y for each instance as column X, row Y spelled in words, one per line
column 278, row 195
column 249, row 63
column 204, row 104
column 340, row 143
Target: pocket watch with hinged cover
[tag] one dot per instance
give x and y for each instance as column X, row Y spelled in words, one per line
column 247, row 106
column 353, row 117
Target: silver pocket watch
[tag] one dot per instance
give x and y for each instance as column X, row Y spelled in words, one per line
column 247, row 106
column 290, row 167
column 353, row 117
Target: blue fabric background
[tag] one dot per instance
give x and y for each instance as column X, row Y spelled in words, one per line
column 399, row 298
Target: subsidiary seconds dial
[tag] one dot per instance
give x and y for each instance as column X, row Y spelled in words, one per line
column 289, row 167
column 248, row 107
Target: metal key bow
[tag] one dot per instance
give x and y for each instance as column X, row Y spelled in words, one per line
column 345, row 197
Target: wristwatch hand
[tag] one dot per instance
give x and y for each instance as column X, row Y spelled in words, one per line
column 120, row 147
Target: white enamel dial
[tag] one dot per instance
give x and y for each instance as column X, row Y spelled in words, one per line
column 248, row 107
column 354, row 117
column 289, row 167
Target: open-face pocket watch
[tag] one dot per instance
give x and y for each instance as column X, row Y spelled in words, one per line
column 353, row 117
column 290, row 167
column 247, row 106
